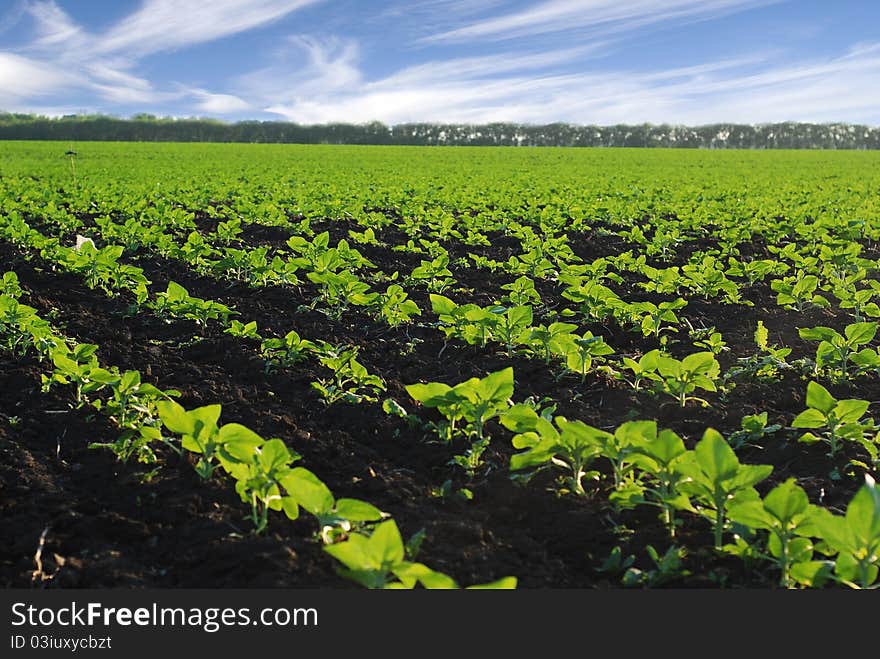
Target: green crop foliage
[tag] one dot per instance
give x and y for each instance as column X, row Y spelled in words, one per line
column 835, row 421
column 791, row 523
column 716, row 479
column 568, row 445
column 475, row 402
column 836, row 351
column 177, row 302
column 379, row 561
column 855, row 537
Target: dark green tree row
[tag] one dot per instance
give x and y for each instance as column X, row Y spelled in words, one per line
column 148, row 128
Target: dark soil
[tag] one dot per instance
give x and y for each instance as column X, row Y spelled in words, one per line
column 108, row 526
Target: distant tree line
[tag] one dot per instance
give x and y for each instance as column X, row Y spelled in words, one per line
column 149, row 128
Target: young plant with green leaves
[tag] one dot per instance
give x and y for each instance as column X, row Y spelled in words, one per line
column 753, row 428
column 799, row 292
column 653, row 457
column 379, row 561
column 715, row 479
column 568, row 445
column 768, row 364
column 286, row 351
column 177, row 302
column 350, row 381
column 855, row 538
column 681, row 378
column 835, row 421
column 836, row 351
column 580, row 351
column 791, row 523
column 475, row 401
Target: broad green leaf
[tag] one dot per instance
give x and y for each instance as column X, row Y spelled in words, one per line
column 505, row 583
column 818, row 334
column 809, row 419
column 429, row 395
column 386, row 544
column 851, row 410
column 818, row 398
column 863, row 515
column 175, row 418
column 496, row 386
column 751, row 514
column 519, row 418
column 715, row 456
column 309, row 491
column 860, row 333
column 355, row 510
column 786, row 500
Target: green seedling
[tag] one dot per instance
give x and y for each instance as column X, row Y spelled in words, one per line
column 379, row 561
column 791, row 522
column 681, row 378
column 551, row 339
column 475, row 401
column 753, row 429
column 395, row 306
column 836, row 351
column 511, row 325
column 242, row 330
column 767, row 364
column 579, row 352
column 522, row 292
column 350, row 380
column 716, row 479
column 855, row 537
column 798, row 293
column 336, row 517
column 79, row 367
column 667, row 567
column 653, row 457
column 177, row 302
column 200, row 433
column 572, row 448
column 835, row 421
column 285, row 352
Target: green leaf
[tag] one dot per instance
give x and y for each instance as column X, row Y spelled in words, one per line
column 274, row 454
column 309, row 491
column 496, row 387
column 751, row 514
column 175, row 418
column 519, row 418
column 786, row 500
column 863, row 515
column 851, row 410
column 386, row 543
column 809, row 419
column 860, row 333
column 818, row 398
column 715, row 456
column 818, row 334
column 505, row 583
column 355, row 510
column 429, row 395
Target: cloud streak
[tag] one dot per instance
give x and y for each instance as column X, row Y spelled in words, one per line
column 744, row 89
column 605, row 15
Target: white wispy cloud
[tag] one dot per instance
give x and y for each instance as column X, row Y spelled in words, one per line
column 214, row 104
column 161, row 25
column 22, row 78
column 65, row 56
column 746, row 89
column 607, row 15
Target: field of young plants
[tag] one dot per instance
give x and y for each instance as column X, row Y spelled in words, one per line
column 398, row 367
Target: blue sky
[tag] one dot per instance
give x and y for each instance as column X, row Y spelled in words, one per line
column 530, row 61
